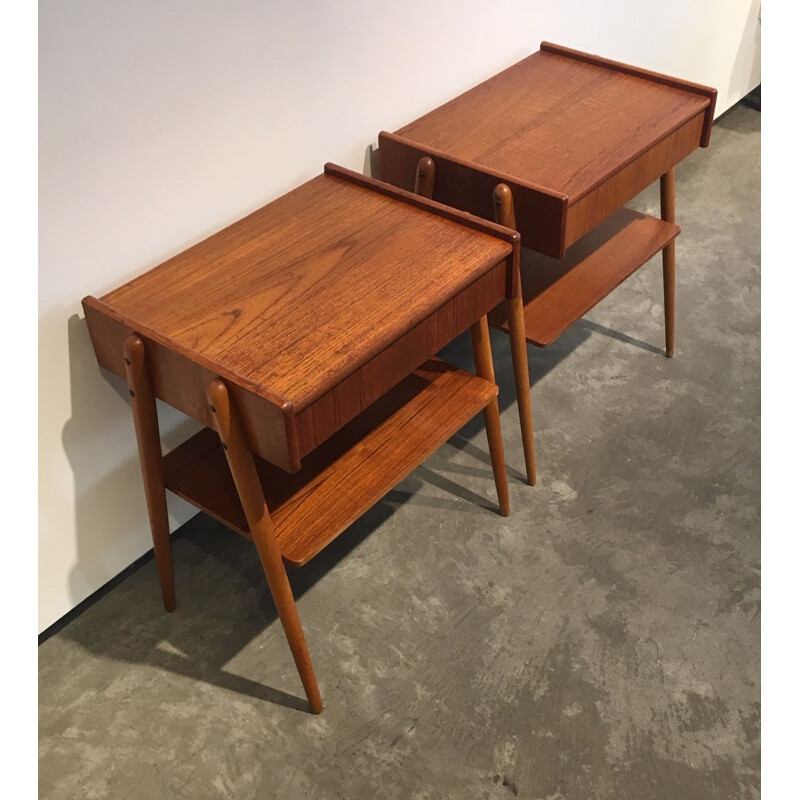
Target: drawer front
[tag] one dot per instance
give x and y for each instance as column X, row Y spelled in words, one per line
column 547, row 222
column 614, row 192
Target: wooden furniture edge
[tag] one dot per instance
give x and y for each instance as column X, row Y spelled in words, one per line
column 501, row 176
column 638, row 72
column 208, row 363
column 520, row 184
column 623, row 185
column 391, row 365
column 642, row 152
column 440, row 209
column 479, row 224
column 286, row 406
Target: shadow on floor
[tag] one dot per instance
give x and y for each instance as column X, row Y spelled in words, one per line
column 218, row 574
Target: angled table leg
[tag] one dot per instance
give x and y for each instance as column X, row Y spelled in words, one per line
column 248, row 487
column 424, row 180
column 484, row 368
column 504, row 215
column 668, row 259
column 145, row 420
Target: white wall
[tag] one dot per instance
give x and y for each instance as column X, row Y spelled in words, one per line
column 161, row 122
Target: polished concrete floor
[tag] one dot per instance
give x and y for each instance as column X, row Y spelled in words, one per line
column 601, row 642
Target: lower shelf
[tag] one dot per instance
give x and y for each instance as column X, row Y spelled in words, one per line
column 558, row 292
column 348, row 474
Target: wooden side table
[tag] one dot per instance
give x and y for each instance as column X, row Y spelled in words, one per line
column 302, row 336
column 553, row 147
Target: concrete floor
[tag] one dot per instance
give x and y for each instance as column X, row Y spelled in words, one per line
column 601, row 642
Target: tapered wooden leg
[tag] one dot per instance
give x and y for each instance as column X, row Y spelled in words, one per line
column 145, row 420
column 484, row 368
column 504, row 214
column 519, row 359
column 668, row 259
column 248, row 486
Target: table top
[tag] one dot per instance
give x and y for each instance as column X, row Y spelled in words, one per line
column 291, row 299
column 573, row 135
column 558, row 121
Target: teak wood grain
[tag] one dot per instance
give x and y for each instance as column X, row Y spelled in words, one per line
column 558, row 292
column 573, row 135
column 639, row 72
column 349, row 473
column 309, row 308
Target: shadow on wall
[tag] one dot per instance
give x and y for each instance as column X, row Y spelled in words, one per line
column 372, row 164
column 111, row 526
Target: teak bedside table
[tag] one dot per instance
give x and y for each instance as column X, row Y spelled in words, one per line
column 553, row 147
column 304, row 335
